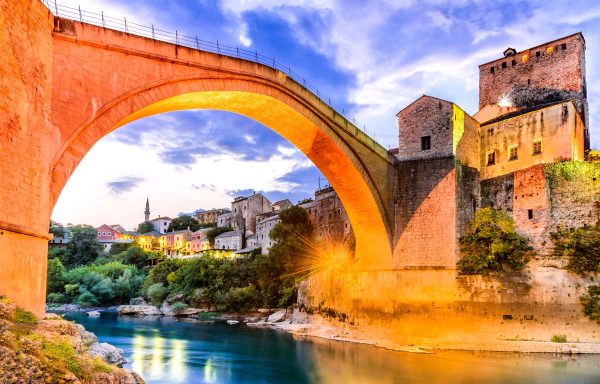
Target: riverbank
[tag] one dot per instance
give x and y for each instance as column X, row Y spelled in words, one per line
column 302, row 325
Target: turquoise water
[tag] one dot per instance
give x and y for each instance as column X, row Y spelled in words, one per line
column 165, row 350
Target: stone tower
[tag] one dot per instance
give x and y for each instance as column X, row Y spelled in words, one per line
column 147, row 211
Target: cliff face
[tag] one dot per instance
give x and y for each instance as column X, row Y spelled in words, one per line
column 51, row 350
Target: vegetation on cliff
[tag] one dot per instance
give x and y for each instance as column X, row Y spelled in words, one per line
column 581, row 247
column 492, row 244
column 591, row 303
column 49, row 351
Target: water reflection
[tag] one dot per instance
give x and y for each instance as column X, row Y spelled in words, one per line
column 171, row 351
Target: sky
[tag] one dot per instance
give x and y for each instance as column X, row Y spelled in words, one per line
column 370, row 57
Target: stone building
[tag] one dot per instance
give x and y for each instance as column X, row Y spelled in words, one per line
column 161, row 224
column 200, row 241
column 533, row 113
column 229, row 241
column 265, row 223
column 210, row 216
column 244, row 210
column 224, row 220
column 330, row 219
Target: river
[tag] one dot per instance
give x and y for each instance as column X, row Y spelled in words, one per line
column 164, row 350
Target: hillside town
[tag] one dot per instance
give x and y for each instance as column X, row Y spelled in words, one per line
column 243, row 228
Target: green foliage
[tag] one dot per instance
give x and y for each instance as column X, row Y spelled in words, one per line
column 159, row 273
column 304, row 201
column 178, row 307
column 157, row 293
column 492, row 244
column 239, row 299
column 87, row 299
column 24, row 317
column 82, row 249
column 134, row 255
column 56, row 298
column 581, row 246
column 559, row 338
column 145, row 227
column 117, row 248
column 213, row 233
column 104, row 284
column 62, row 353
column 56, row 229
column 184, row 222
column 55, row 281
column 591, row 303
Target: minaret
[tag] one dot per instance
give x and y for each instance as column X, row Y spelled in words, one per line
column 147, row 211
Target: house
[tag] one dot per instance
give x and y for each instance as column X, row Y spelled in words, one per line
column 244, row 210
column 224, row 220
column 149, row 241
column 265, row 223
column 161, row 224
column 231, row 241
column 177, row 243
column 200, row 241
column 210, row 216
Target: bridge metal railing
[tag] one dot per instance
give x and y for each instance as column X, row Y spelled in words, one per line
column 124, row 25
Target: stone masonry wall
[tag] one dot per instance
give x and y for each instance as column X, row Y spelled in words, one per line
column 426, row 214
column 531, row 207
column 498, row 193
column 559, row 69
column 426, row 116
column 467, row 196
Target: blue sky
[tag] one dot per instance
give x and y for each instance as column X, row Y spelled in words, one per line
column 372, row 58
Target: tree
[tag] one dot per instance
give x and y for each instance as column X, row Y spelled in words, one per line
column 55, row 280
column 134, row 255
column 184, row 222
column 281, row 269
column 57, row 229
column 83, row 247
column 492, row 244
column 117, row 248
column 213, row 233
column 145, row 227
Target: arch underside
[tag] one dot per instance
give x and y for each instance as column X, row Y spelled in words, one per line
column 277, row 110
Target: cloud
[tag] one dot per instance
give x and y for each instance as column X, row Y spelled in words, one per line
column 124, row 184
column 205, row 187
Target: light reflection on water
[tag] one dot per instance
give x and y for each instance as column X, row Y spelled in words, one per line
column 171, row 351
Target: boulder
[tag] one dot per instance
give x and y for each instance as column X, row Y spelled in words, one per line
column 277, row 316
column 166, row 309
column 232, row 322
column 108, row 353
column 93, row 314
column 265, row 311
column 137, row 301
column 189, row 312
column 139, row 310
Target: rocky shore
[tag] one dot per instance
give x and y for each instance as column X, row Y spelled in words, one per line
column 53, row 350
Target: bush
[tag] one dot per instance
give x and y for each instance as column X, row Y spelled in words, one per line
column 56, row 298
column 157, row 293
column 86, row 299
column 492, row 244
column 178, row 307
column 55, row 278
column 581, row 246
column 24, row 317
column 591, row 303
column 239, row 299
column 559, row 338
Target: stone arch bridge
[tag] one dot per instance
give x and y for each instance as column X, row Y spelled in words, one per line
column 66, row 84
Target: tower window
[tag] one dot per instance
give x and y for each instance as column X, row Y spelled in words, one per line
column 425, row 143
column 512, row 153
column 491, row 158
column 530, row 214
column 514, row 62
column 524, row 58
column 537, row 147
column 550, row 49
column 563, row 46
column 491, row 69
column 504, row 65
column 538, row 54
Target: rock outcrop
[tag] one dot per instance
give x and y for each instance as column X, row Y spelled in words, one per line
column 139, row 310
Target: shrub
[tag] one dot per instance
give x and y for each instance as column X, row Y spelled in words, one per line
column 239, row 299
column 559, row 338
column 591, row 303
column 178, row 307
column 56, row 298
column 87, row 299
column 55, row 278
column 157, row 293
column 492, row 244
column 24, row 317
column 581, row 246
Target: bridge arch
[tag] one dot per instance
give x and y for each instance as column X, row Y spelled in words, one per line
column 280, row 109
